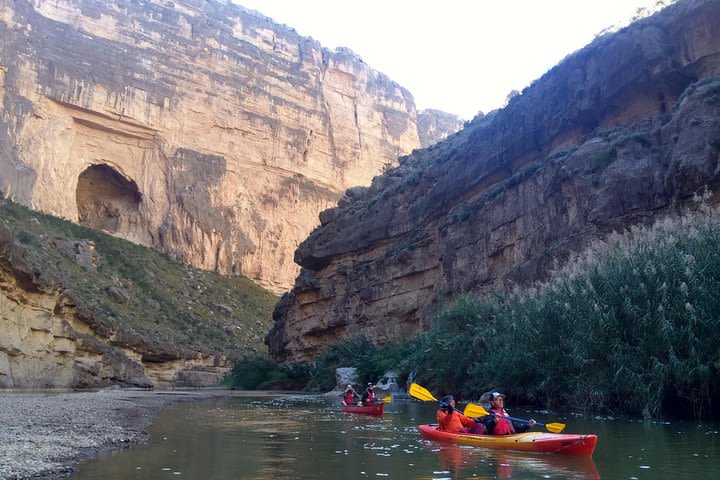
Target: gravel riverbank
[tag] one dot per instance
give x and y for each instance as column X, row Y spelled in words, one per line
column 44, row 435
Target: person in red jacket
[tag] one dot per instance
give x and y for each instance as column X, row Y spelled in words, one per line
column 453, row 421
column 502, row 426
column 349, row 396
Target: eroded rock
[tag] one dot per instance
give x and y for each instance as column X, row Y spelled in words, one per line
column 621, row 132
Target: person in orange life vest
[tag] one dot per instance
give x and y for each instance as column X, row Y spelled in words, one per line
column 368, row 396
column 454, row 421
column 502, row 426
column 349, row 396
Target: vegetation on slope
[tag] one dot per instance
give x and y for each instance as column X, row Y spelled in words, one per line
column 631, row 325
column 164, row 301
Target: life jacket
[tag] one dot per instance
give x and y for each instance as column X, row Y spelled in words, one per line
column 349, row 398
column 453, row 421
column 370, row 399
column 503, row 426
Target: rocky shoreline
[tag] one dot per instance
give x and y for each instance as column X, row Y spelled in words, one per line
column 46, row 434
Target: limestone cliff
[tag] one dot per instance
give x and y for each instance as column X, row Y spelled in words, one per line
column 435, row 126
column 621, row 132
column 194, row 126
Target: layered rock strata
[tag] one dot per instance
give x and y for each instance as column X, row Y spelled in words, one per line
column 196, row 126
column 622, row 132
column 52, row 338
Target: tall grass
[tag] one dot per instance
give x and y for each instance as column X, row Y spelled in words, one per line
column 258, row 372
column 371, row 362
column 631, row 325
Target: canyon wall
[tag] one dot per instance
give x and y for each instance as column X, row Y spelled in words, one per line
column 621, row 132
column 194, row 126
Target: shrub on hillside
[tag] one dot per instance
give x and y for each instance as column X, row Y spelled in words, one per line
column 260, row 373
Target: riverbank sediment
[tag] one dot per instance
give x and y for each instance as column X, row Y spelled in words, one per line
column 45, row 435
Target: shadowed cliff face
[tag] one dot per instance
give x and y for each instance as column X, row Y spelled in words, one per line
column 621, row 132
column 194, row 126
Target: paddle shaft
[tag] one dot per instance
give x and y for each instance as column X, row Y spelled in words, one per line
column 495, row 415
column 481, row 411
column 517, row 419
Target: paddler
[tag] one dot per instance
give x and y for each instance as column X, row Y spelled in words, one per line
column 451, row 420
column 494, row 425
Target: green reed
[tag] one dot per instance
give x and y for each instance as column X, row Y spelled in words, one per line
column 630, row 325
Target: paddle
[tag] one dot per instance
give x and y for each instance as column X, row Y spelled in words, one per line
column 423, row 394
column 472, row 410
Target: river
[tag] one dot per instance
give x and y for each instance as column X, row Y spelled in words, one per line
column 306, row 437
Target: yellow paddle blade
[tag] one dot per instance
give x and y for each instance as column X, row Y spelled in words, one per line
column 387, row 399
column 473, row 410
column 555, row 427
column 421, row 393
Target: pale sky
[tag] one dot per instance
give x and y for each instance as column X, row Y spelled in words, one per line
column 460, row 56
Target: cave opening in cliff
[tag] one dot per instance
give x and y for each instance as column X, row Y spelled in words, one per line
column 106, row 200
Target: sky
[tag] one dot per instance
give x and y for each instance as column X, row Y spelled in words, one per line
column 459, row 56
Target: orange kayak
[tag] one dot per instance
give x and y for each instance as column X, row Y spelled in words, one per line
column 563, row 443
column 378, row 409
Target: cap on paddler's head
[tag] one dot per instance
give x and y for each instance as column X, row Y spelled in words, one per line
column 495, row 395
column 446, row 400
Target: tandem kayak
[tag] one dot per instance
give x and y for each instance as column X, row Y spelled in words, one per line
column 563, row 443
column 378, row 409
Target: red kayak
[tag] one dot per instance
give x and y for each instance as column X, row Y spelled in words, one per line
column 378, row 409
column 563, row 443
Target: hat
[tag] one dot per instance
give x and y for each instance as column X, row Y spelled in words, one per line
column 349, row 386
column 495, row 395
column 370, row 385
column 446, row 400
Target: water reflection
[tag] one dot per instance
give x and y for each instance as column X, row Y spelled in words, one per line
column 465, row 462
column 304, row 437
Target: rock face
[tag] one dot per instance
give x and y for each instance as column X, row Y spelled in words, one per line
column 622, row 132
column 194, row 126
column 47, row 340
column 435, row 126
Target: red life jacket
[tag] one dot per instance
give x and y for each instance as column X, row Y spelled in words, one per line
column 503, row 426
column 349, row 398
column 370, row 400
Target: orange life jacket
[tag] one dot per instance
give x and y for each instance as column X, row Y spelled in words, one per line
column 453, row 421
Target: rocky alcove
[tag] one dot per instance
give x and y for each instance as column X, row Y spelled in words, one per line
column 106, row 199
